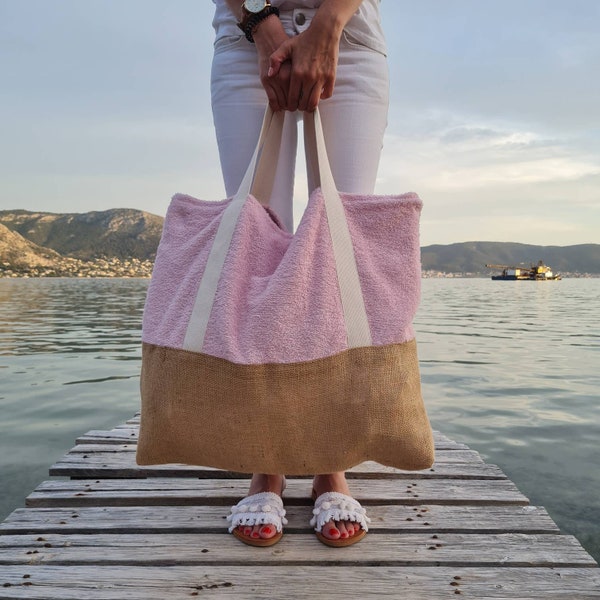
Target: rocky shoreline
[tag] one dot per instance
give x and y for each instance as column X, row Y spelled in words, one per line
column 73, row 267
column 136, row 268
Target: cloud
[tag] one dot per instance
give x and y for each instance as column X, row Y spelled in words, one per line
column 470, row 155
column 494, row 114
column 494, row 181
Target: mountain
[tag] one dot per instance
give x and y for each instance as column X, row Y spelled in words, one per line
column 40, row 239
column 20, row 253
column 471, row 257
column 121, row 233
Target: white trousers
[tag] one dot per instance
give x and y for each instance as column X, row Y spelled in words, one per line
column 354, row 118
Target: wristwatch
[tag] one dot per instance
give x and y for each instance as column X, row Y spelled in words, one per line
column 253, row 12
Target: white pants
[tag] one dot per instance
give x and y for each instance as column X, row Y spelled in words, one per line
column 354, row 118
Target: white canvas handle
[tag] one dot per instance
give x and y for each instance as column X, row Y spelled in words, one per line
column 207, row 288
column 353, row 304
column 262, row 185
column 267, row 148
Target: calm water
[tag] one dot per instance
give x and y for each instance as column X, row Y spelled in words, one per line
column 510, row 368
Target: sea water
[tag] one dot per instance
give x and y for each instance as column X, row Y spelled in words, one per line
column 510, row 368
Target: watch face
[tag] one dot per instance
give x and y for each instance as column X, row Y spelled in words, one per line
column 254, row 6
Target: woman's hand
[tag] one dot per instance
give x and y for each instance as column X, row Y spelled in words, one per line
column 309, row 62
column 268, row 37
column 297, row 72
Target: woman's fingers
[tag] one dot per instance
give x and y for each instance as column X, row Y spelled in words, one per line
column 301, row 72
column 293, row 95
column 280, row 84
column 276, row 83
column 310, row 100
column 276, row 96
column 327, row 90
column 278, row 58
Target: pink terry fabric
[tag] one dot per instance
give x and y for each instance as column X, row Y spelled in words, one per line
column 278, row 298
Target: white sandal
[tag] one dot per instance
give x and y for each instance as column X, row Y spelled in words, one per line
column 335, row 506
column 259, row 509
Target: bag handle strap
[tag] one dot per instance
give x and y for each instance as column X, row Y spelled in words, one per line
column 195, row 333
column 355, row 316
column 260, row 174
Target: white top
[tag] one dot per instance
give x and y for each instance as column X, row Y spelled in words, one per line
column 364, row 26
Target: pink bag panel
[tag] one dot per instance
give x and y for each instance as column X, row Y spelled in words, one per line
column 385, row 236
column 278, row 300
column 189, row 228
column 277, row 304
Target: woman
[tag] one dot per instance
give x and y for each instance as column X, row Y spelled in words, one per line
column 295, row 55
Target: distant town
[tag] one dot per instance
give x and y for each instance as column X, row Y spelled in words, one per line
column 122, row 243
column 134, row 267
column 73, row 267
column 432, row 274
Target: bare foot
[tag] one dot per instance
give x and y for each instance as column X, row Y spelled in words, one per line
column 335, row 482
column 263, row 483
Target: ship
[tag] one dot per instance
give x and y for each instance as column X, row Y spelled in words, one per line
column 539, row 272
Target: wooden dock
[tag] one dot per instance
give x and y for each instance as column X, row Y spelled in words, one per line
column 114, row 530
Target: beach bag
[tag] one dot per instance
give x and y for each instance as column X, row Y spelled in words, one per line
column 272, row 352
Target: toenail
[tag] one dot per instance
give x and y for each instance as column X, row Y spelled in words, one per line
column 255, row 534
column 267, row 530
column 344, row 535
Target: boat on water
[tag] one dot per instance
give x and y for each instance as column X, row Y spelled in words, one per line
column 539, row 272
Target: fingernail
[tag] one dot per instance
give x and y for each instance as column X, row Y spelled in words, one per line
column 270, row 72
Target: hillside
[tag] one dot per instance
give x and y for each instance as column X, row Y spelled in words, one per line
column 471, row 257
column 123, row 242
column 19, row 253
column 119, row 233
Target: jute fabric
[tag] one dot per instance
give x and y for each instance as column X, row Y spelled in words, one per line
column 318, row 416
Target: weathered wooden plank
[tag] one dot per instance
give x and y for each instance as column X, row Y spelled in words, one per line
column 442, row 456
column 112, row 436
column 211, row 519
column 248, row 583
column 129, row 433
column 461, row 527
column 179, row 490
column 94, row 463
column 162, row 550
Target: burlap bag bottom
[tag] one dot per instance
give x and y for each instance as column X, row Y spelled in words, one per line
column 318, row 416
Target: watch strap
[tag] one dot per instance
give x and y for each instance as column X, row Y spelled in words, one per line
column 248, row 24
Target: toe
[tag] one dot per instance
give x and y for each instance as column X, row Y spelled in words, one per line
column 255, row 533
column 341, row 525
column 267, row 531
column 331, row 531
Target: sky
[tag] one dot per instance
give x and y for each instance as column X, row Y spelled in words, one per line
column 494, row 114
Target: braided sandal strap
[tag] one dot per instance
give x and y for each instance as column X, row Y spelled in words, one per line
column 335, row 506
column 258, row 509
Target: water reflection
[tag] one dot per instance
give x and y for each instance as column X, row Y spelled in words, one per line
column 69, row 362
column 510, row 368
column 70, row 316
